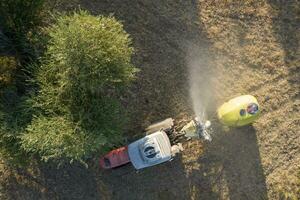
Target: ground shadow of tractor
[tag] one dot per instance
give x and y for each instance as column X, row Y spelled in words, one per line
column 165, row 181
column 230, row 167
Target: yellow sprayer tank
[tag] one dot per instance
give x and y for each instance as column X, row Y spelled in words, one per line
column 239, row 111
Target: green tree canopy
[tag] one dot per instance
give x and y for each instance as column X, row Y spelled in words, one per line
column 87, row 62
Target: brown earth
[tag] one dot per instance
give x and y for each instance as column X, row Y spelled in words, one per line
column 245, row 47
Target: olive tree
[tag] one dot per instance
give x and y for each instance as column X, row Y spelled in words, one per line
column 85, row 68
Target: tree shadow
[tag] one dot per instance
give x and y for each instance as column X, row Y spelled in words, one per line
column 72, row 181
column 46, row 181
column 231, row 167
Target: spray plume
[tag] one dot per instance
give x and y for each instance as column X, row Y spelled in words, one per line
column 200, row 73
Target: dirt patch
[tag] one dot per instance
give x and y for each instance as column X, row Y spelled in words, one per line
column 247, row 47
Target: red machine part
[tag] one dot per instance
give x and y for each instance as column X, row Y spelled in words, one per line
column 115, row 158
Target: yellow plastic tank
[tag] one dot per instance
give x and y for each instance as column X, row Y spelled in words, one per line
column 239, row 111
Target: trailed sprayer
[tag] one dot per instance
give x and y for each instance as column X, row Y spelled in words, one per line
column 162, row 141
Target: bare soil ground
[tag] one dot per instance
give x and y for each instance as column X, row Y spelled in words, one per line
column 238, row 47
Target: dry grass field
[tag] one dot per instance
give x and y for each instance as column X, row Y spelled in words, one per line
column 234, row 48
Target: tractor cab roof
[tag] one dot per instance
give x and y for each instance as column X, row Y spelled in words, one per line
column 151, row 150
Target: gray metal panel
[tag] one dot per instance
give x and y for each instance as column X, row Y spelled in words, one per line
column 162, row 125
column 163, row 144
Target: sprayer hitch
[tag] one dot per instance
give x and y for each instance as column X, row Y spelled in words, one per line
column 195, row 129
column 203, row 129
